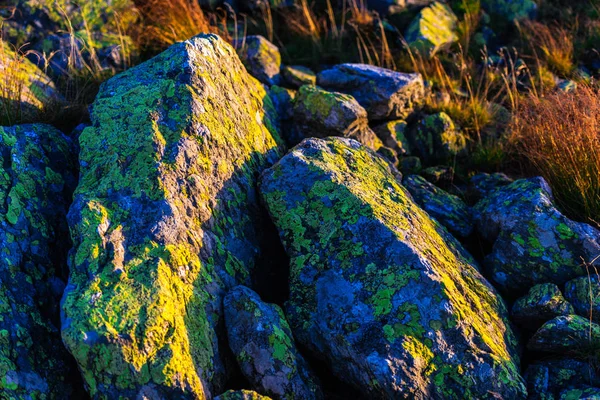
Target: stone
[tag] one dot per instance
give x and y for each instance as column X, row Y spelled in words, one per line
column 385, row 94
column 567, row 335
column 546, row 379
column 542, row 303
column 510, row 10
column 410, row 164
column 581, row 393
column 483, row 184
column 36, row 180
column 391, row 133
column 533, row 242
column 241, row 395
column 283, row 100
column 432, row 30
column 319, row 113
column 297, row 75
column 436, row 138
column 584, row 294
column 165, row 220
column 379, row 290
column 261, row 58
column 448, row 209
column 264, row 348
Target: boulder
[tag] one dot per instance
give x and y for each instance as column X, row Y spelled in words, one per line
column 319, row 113
column 568, row 335
column 261, row 58
column 27, row 92
column 542, row 303
column 432, row 30
column 241, row 395
column 436, row 138
column 35, row 185
column 510, row 10
column 264, row 348
column 483, row 184
column 377, row 288
column 164, row 221
column 584, row 294
column 448, row 209
column 385, row 94
column 581, row 393
column 392, row 134
column 297, row 75
column 546, row 379
column 283, row 100
column 533, row 242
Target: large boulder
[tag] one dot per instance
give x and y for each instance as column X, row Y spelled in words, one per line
column 377, row 288
column 164, row 221
column 319, row 113
column 385, row 94
column 533, row 241
column 261, row 57
column 264, row 348
column 432, row 30
column 35, row 186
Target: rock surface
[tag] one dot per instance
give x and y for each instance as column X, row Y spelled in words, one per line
column 584, row 294
column 542, row 303
column 297, row 75
column 164, row 221
column 35, row 184
column 533, row 242
column 392, row 134
column 262, row 59
column 546, row 379
column 241, row 395
column 433, row 29
column 510, row 10
column 569, row 334
column 378, row 289
column 437, row 139
column 264, row 347
column 448, row 209
column 385, row 94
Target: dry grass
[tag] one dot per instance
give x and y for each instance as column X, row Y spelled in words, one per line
column 550, row 45
column 165, row 22
column 559, row 138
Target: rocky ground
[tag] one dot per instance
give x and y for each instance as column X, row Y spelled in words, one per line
column 224, row 226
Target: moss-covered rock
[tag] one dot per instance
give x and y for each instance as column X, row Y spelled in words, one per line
column 378, row 289
column 164, row 220
column 546, row 379
column 261, row 57
column 264, row 348
column 448, row 209
column 241, row 395
column 542, row 303
column 392, row 134
column 581, row 393
column 319, row 113
column 584, row 294
column 26, row 92
column 385, row 94
column 510, row 10
column 533, row 241
column 35, row 184
column 432, row 30
column 570, row 335
column 483, row 184
column 297, row 75
column 436, row 138
column 283, row 100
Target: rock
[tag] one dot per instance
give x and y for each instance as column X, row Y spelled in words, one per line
column 385, row 94
column 542, row 303
column 261, row 57
column 440, row 175
column 67, row 53
column 241, row 395
column 568, row 334
column 264, row 347
column 319, row 113
column 432, row 30
column 377, row 288
column 392, row 135
column 484, row 184
column 283, row 100
column 532, row 241
column 410, row 164
column 581, row 393
column 546, row 379
column 449, row 210
column 297, row 75
column 164, row 221
column 584, row 294
column 28, row 92
column 437, row 139
column 35, row 185
column 510, row 10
